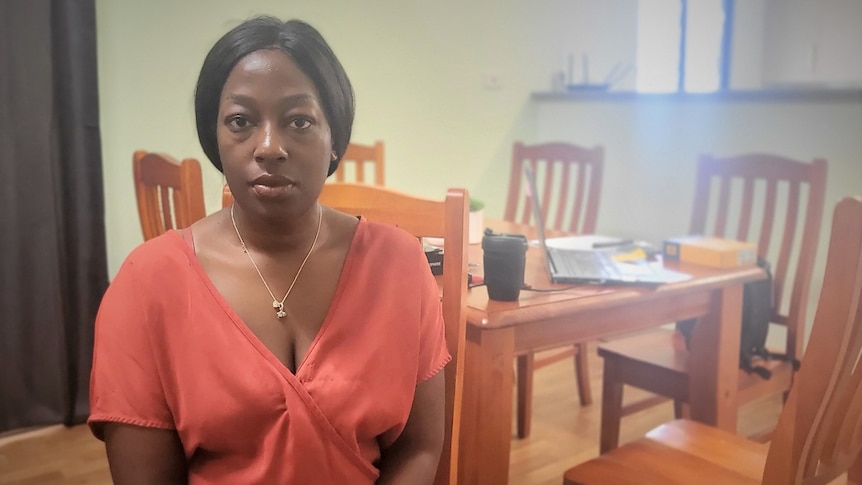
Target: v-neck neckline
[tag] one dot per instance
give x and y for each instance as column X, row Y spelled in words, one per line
column 246, row 330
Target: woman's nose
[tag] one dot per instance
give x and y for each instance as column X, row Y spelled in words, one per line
column 270, row 144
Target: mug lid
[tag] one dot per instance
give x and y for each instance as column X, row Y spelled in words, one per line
column 504, row 242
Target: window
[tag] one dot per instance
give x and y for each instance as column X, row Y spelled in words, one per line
column 683, row 45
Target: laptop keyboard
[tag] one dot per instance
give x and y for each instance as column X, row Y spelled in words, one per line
column 584, row 263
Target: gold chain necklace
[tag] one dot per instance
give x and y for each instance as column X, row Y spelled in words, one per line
column 276, row 304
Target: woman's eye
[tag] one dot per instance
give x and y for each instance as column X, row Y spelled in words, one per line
column 238, row 122
column 300, row 123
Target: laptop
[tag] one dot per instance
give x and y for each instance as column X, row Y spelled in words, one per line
column 590, row 266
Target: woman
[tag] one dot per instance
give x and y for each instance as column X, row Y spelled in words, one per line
column 252, row 347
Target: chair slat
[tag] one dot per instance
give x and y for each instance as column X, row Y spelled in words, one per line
column 723, row 203
column 579, row 196
column 768, row 221
column 360, row 156
column 563, row 198
column 745, row 217
column 169, row 193
column 780, row 266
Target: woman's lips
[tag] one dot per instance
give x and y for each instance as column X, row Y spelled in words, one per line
column 270, row 185
column 279, row 190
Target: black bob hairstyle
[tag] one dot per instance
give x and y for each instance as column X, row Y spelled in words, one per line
column 308, row 50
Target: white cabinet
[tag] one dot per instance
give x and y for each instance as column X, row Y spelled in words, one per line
column 813, row 42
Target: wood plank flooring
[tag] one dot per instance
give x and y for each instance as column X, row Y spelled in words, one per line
column 564, row 434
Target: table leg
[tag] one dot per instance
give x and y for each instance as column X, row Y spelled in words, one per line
column 486, row 419
column 714, row 361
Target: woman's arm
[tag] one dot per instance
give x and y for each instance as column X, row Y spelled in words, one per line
column 144, row 456
column 412, row 459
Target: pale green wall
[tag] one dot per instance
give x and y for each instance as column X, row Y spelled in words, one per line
column 417, row 69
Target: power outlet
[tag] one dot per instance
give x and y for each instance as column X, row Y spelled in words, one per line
column 491, row 81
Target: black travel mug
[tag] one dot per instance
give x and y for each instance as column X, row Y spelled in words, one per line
column 504, row 256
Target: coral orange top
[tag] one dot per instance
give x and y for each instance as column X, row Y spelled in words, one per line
column 170, row 353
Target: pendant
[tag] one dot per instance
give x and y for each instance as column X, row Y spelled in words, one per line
column 279, row 307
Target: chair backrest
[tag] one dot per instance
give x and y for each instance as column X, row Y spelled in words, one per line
column 790, row 193
column 570, row 178
column 356, row 158
column 819, row 433
column 169, row 193
column 426, row 218
column 226, row 196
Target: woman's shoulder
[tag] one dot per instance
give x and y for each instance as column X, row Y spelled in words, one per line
column 158, row 255
column 357, row 230
column 389, row 236
column 389, row 231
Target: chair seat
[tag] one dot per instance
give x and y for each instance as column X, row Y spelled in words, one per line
column 661, row 348
column 662, row 353
column 679, row 452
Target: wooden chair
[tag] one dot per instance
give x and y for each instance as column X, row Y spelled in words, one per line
column 226, row 196
column 426, row 218
column 356, row 158
column 655, row 360
column 169, row 193
column 572, row 178
column 819, row 433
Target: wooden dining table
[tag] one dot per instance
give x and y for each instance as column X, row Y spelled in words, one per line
column 497, row 330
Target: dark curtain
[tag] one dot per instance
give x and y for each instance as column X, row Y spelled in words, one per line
column 53, row 267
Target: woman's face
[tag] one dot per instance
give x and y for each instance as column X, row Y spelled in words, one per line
column 273, row 138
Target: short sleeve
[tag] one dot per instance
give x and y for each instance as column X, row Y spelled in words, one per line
column 433, row 352
column 125, row 386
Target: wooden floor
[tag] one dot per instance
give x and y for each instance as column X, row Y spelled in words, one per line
column 564, row 434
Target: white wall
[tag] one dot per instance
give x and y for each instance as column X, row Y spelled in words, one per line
column 418, row 69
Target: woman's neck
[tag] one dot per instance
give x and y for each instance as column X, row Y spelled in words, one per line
column 277, row 236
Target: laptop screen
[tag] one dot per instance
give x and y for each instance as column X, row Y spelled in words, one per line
column 533, row 192
column 562, row 272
